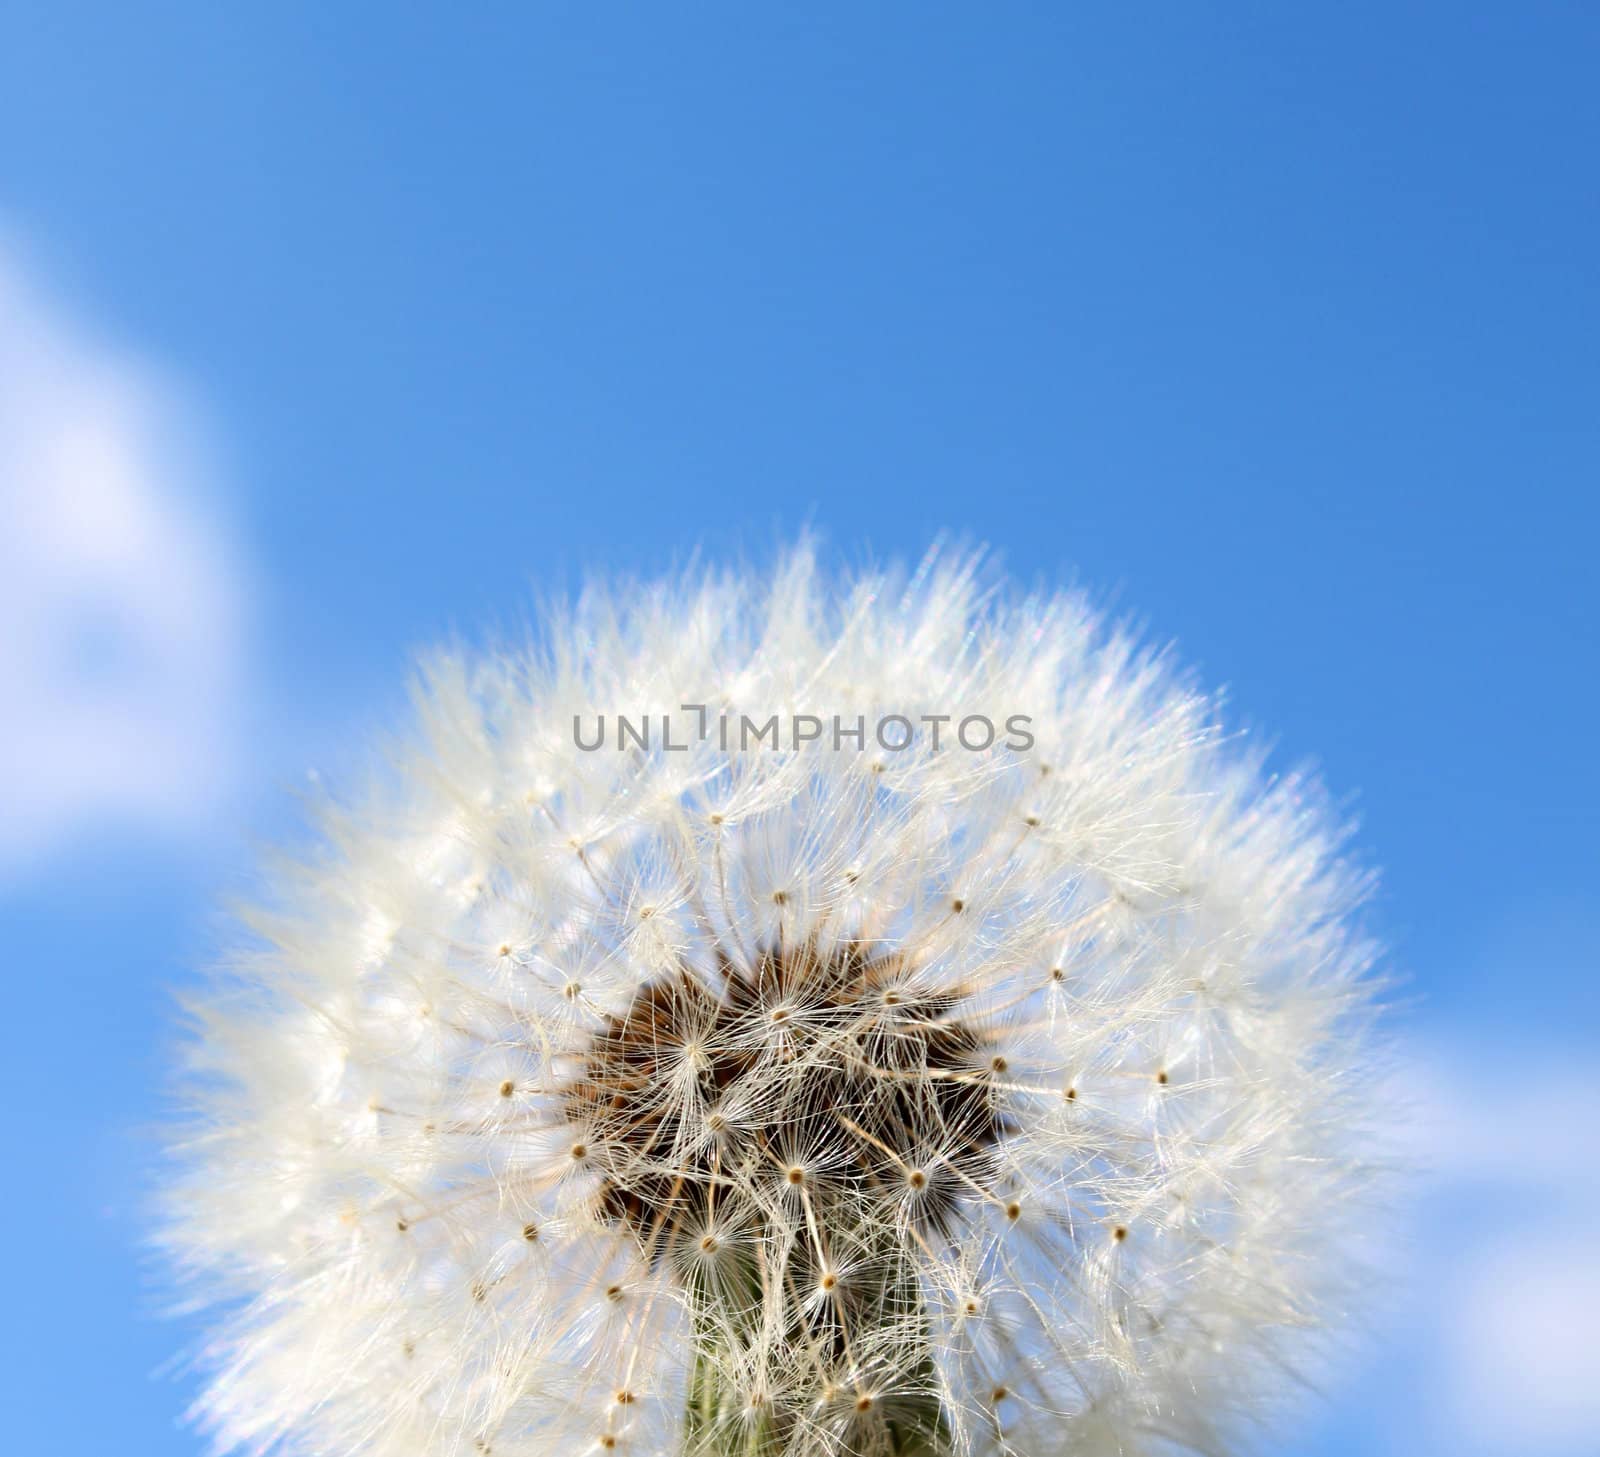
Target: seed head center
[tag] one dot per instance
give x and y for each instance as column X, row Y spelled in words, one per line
column 846, row 1093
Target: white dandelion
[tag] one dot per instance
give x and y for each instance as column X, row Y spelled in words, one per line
column 800, row 1093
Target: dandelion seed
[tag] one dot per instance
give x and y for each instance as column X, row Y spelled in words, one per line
column 796, row 1164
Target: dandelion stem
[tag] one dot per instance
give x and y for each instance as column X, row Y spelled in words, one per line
column 895, row 1413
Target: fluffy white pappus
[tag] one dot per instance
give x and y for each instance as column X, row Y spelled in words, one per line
column 701, row 1093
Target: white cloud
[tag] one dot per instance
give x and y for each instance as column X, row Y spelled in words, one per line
column 120, row 596
column 1521, row 1346
column 1506, row 1282
column 1518, row 1112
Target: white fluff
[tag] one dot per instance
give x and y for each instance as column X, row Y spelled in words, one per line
column 378, row 1181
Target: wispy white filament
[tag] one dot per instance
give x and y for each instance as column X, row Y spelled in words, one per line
column 400, row 1203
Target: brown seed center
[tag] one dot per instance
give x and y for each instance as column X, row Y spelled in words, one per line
column 842, row 1086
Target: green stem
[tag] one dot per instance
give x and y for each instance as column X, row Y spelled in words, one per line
column 907, row 1419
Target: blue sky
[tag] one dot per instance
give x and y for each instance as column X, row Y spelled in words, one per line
column 1275, row 329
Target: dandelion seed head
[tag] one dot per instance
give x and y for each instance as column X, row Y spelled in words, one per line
column 806, row 1098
